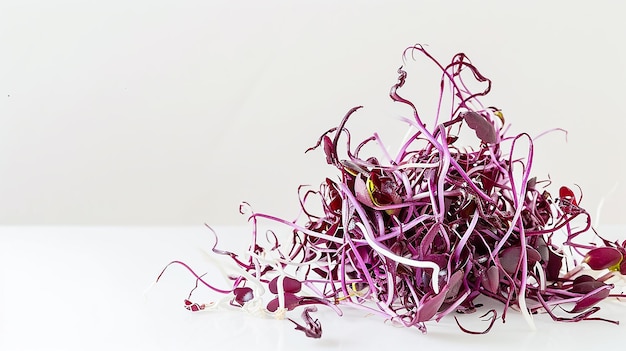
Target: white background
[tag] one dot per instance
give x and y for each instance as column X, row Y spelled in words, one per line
column 172, row 112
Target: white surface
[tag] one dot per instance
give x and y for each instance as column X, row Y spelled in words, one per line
column 172, row 112
column 85, row 288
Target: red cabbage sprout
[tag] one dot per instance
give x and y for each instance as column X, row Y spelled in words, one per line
column 418, row 235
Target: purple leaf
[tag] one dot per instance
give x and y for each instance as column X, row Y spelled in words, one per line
column 430, row 306
column 591, row 299
column 602, row 258
column 509, row 258
column 243, row 295
column 291, row 301
column 194, row 307
column 329, row 150
column 290, row 285
column 491, row 279
column 484, row 129
column 553, row 268
column 361, row 191
column 585, row 284
column 454, row 285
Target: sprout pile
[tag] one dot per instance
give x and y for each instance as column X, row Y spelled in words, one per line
column 419, row 235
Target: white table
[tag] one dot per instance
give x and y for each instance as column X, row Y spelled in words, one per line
column 89, row 288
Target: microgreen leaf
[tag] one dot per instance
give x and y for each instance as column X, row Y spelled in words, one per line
column 585, row 284
column 290, row 285
column 243, row 295
column 291, row 301
column 592, row 298
column 483, row 128
column 603, row 257
column 491, row 279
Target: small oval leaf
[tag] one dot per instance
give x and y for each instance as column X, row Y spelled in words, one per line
column 591, row 299
column 243, row 295
column 430, row 306
column 484, row 129
column 291, row 301
column 509, row 258
column 491, row 279
column 585, row 284
column 290, row 285
column 602, row 258
column 361, row 192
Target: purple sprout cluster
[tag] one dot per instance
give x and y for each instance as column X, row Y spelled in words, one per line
column 420, row 235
